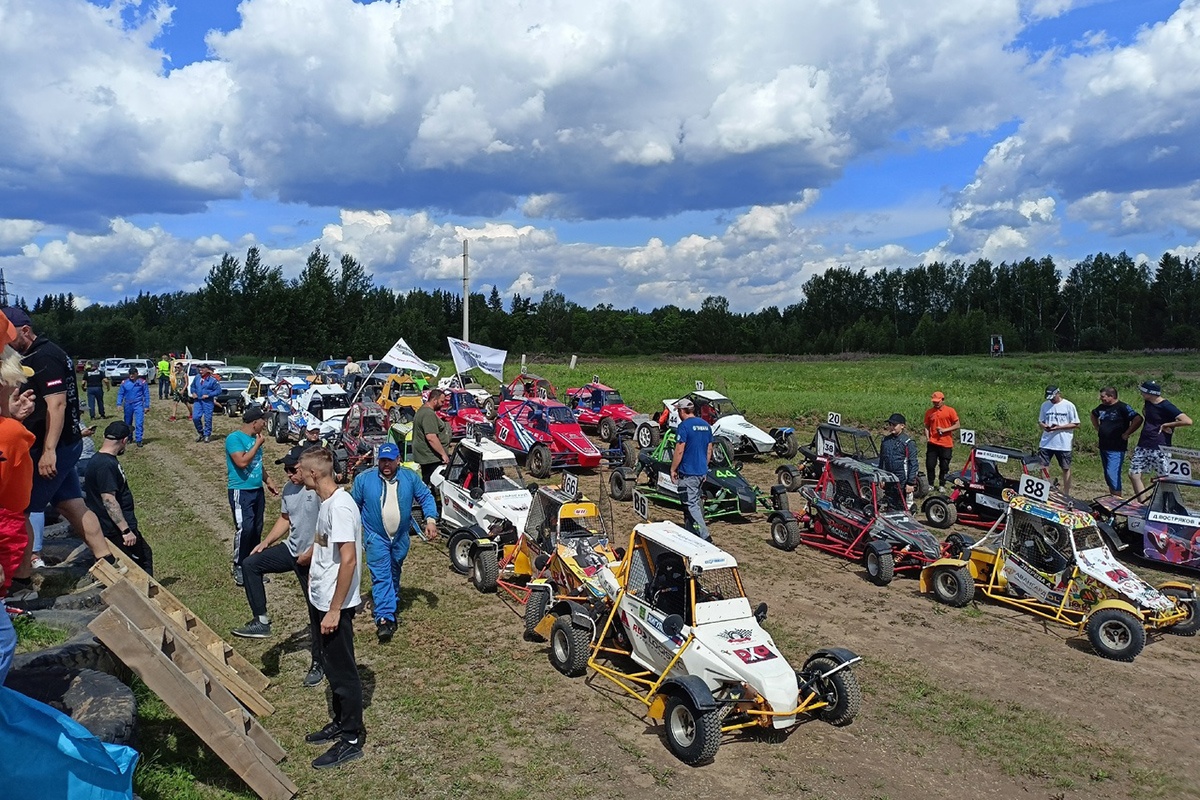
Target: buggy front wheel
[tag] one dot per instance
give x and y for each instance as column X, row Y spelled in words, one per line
column 692, row 735
column 569, row 646
column 536, row 608
column 620, row 484
column 1115, row 634
column 785, row 533
column 953, row 586
column 606, row 429
column 460, row 550
column 1186, row 600
column 841, row 691
column 538, row 461
column 881, row 567
column 940, row 512
column 647, row 435
column 787, row 447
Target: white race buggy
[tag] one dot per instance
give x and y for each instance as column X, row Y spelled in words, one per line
column 679, row 635
column 727, row 421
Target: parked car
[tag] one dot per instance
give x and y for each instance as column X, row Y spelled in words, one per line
column 120, row 370
column 234, row 383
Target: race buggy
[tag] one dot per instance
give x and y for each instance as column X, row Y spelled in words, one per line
column 400, row 397
column 325, row 403
column 680, row 637
column 726, row 492
column 482, row 398
column 1160, row 524
column 1053, row 562
column 283, row 402
column 364, row 428
column 856, row 511
column 546, row 433
column 602, row 409
column 483, row 499
column 977, row 497
column 725, row 420
column 528, row 386
column 832, row 440
column 463, row 414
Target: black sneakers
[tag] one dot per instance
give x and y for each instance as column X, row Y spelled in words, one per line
column 385, row 629
column 314, row 677
column 200, row 438
column 343, row 750
column 326, row 734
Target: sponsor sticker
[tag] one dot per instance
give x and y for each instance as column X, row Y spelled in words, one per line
column 1173, row 519
column 988, row 455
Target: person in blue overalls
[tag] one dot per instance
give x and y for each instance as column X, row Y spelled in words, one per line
column 204, row 392
column 134, row 396
column 385, row 497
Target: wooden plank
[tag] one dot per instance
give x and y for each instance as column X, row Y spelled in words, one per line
column 199, row 710
column 146, row 615
column 126, row 569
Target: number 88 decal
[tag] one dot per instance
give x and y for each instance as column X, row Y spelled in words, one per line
column 1034, row 487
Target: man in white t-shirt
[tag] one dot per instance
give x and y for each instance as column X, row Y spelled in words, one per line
column 1058, row 420
column 333, row 589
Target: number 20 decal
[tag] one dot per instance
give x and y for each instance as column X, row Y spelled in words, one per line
column 834, row 418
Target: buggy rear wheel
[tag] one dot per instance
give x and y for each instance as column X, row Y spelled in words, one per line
column 923, row 486
column 569, row 646
column 692, row 735
column 629, row 454
column 1115, row 634
column 953, row 586
column 841, row 691
column 787, row 447
column 606, row 429
column 489, row 408
column 881, row 567
column 620, row 484
column 271, row 425
column 787, row 478
column 957, row 544
column 536, row 608
column 281, row 427
column 1186, row 600
column 647, row 435
column 484, row 570
column 538, row 461
column 460, row 551
column 940, row 512
column 785, row 533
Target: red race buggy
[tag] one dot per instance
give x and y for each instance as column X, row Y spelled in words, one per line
column 977, row 497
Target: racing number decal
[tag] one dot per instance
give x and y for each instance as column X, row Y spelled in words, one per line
column 966, row 437
column 640, row 506
column 834, row 418
column 542, row 393
column 828, row 448
column 570, row 484
column 753, row 655
column 1034, row 487
column 502, row 434
column 1178, row 469
column 699, row 386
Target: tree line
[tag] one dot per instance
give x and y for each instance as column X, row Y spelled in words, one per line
column 247, row 307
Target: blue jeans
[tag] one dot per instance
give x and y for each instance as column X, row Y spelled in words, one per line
column 202, row 411
column 385, row 560
column 95, row 399
column 8, row 642
column 1113, row 461
column 135, row 416
column 693, row 505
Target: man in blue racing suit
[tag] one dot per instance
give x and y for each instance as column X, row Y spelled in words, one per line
column 133, row 395
column 205, row 390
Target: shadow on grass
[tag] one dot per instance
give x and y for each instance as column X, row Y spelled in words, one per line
column 410, row 596
column 297, row 641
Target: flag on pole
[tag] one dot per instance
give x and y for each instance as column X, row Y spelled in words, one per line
column 402, row 356
column 469, row 356
column 187, row 353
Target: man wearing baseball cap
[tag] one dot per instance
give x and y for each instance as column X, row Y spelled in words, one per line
column 689, row 465
column 385, row 495
column 898, row 455
column 1058, row 420
column 298, row 509
column 245, row 481
column 1162, row 418
column 940, row 422
column 109, row 497
column 205, row 390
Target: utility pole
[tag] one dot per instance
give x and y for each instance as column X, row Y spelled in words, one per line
column 466, row 296
column 3, row 290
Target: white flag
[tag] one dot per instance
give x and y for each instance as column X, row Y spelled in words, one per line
column 187, row 353
column 469, row 356
column 402, row 356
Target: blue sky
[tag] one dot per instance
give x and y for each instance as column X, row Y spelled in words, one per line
column 634, row 153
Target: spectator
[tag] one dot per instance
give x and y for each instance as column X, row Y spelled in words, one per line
column 898, row 455
column 134, row 395
column 298, row 510
column 689, row 466
column 54, row 422
column 245, row 481
column 430, row 435
column 1058, row 420
column 110, row 499
column 351, row 374
column 16, row 483
column 164, row 378
column 1114, row 422
column 37, row 519
column 385, row 495
column 96, row 383
column 312, row 433
column 205, row 390
column 333, row 589
column 940, row 421
column 1162, row 418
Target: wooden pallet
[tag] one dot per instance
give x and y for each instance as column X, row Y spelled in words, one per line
column 175, row 667
column 237, row 674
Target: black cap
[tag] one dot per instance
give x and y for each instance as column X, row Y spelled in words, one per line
column 292, row 457
column 253, row 413
column 1051, row 391
column 117, row 431
column 17, row 316
column 1150, row 387
column 897, row 419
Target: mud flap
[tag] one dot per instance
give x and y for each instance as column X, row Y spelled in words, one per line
column 691, row 685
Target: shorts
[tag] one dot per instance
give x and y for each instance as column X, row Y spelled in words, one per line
column 1147, row 460
column 1062, row 456
column 63, row 486
column 14, row 536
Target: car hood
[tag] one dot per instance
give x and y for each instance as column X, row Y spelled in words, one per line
column 1101, row 566
column 512, row 506
column 735, row 426
column 900, row 530
column 571, row 437
column 749, row 654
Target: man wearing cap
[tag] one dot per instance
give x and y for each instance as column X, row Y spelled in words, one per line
column 1058, row 420
column 940, row 422
column 108, row 496
column 205, row 390
column 134, row 396
column 298, row 509
column 54, row 423
column 385, row 495
column 689, row 465
column 898, row 455
column 95, row 382
column 245, row 481
column 164, row 377
column 1162, row 418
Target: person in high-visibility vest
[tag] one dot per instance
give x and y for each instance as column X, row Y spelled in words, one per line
column 164, row 378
